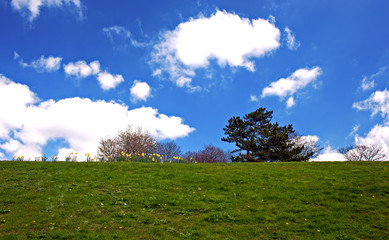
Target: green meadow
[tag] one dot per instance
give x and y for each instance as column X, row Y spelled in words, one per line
column 122, row 200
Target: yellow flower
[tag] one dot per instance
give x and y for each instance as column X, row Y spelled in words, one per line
column 306, row 220
column 318, row 230
column 287, row 223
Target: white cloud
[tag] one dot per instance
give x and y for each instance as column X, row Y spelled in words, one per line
column 355, row 130
column 309, row 139
column 378, row 102
column 28, row 125
column 329, row 155
column 14, row 98
column 290, row 103
column 115, row 32
column 183, row 81
column 369, row 82
column 108, row 80
column 42, row 64
column 140, row 91
column 290, row 85
column 226, row 37
column 81, row 69
column 253, row 98
column 291, row 39
column 31, row 8
column 378, row 135
column 11, row 145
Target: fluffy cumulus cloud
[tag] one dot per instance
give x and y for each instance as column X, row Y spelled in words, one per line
column 14, row 98
column 288, row 86
column 140, row 91
column 31, row 8
column 378, row 102
column 290, row 39
column 329, row 155
column 108, row 80
column 81, row 69
column 225, row 37
column 42, row 64
column 27, row 124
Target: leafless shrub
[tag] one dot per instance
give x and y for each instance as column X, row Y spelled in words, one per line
column 363, row 153
column 168, row 150
column 136, row 141
column 127, row 141
column 108, row 148
column 210, row 154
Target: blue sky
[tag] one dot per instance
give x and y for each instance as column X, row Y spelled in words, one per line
column 75, row 71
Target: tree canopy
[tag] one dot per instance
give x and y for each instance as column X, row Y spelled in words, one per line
column 260, row 140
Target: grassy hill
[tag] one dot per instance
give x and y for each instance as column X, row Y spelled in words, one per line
column 66, row 200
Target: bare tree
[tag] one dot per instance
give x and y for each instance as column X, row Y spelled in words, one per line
column 210, row 154
column 108, row 148
column 311, row 148
column 168, row 149
column 128, row 141
column 136, row 141
column 363, row 153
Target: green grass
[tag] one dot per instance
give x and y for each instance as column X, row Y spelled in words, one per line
column 57, row 200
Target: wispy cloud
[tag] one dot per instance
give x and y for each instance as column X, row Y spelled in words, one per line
column 285, row 87
column 291, row 41
column 31, row 8
column 42, row 64
column 253, row 98
column 368, row 82
column 377, row 102
column 120, row 33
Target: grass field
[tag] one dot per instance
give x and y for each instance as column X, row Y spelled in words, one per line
column 67, row 200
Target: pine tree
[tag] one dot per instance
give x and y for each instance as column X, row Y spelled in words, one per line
column 260, row 140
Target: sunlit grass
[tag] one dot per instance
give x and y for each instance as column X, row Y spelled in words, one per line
column 126, row 200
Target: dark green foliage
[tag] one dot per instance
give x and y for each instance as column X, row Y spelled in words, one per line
column 259, row 140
